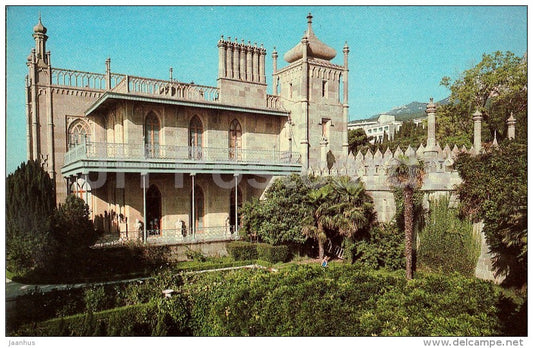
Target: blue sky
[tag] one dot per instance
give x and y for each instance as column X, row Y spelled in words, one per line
column 398, row 54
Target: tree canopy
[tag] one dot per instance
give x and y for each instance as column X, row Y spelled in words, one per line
column 497, row 87
column 39, row 236
column 30, row 203
column 278, row 218
column 340, row 208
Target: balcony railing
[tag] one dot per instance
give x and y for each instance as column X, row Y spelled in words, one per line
column 172, row 89
column 83, row 79
column 175, row 236
column 146, row 152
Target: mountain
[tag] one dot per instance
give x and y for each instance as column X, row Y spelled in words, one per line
column 409, row 111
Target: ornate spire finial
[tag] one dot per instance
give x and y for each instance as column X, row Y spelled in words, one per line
column 309, row 21
column 431, row 107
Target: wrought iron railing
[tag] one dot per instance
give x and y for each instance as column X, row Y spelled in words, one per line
column 202, row 234
column 123, row 151
column 177, row 236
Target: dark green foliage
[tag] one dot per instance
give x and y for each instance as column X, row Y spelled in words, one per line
column 343, row 301
column 382, row 248
column 341, row 208
column 494, row 190
column 496, row 86
column 409, row 135
column 357, row 141
column 242, row 250
column 73, row 228
column 73, row 233
column 448, row 243
column 307, row 301
column 278, row 218
column 272, row 253
column 195, row 255
column 330, row 159
column 99, row 298
column 30, row 203
column 123, row 321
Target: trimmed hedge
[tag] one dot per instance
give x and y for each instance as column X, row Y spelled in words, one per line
column 273, row 253
column 307, row 300
column 137, row 320
column 242, row 250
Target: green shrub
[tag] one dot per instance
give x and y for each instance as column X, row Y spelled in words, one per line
column 447, row 243
column 135, row 320
column 383, row 248
column 340, row 301
column 242, row 250
column 99, row 298
column 273, row 253
column 195, row 255
column 305, row 300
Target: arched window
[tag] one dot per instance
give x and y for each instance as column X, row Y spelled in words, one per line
column 196, row 131
column 81, row 188
column 78, row 133
column 235, row 140
column 151, row 135
column 153, row 211
column 197, row 203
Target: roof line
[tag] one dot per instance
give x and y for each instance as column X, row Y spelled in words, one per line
column 114, row 95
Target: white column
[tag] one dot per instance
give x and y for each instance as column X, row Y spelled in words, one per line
column 477, row 117
column 193, row 217
column 345, row 105
column 511, row 121
column 236, row 59
column 86, row 181
column 221, row 58
column 145, row 235
column 236, row 202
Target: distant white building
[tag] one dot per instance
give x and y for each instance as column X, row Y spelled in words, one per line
column 385, row 124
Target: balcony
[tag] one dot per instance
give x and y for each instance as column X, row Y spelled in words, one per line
column 173, row 236
column 143, row 158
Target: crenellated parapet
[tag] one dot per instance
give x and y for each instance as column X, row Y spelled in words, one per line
column 373, row 167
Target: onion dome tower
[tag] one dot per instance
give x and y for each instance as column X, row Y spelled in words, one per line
column 315, row 47
column 315, row 91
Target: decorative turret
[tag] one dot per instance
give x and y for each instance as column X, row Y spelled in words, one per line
column 39, row 34
column 431, row 108
column 238, row 61
column 315, row 47
column 241, row 73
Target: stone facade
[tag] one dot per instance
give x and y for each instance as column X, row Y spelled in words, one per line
column 162, row 160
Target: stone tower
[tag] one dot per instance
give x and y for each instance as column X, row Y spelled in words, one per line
column 315, row 91
column 40, row 126
column 56, row 100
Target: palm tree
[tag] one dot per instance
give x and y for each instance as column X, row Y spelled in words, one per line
column 407, row 174
column 341, row 206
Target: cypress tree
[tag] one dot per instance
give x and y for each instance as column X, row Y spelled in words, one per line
column 30, row 204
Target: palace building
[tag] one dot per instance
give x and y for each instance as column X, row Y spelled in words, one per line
column 170, row 162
